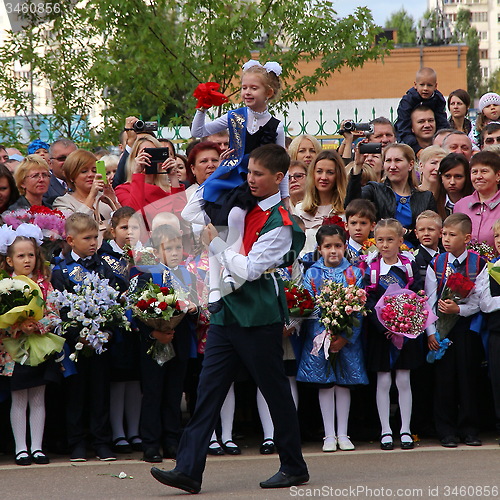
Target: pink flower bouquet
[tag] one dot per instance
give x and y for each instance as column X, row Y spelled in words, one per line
column 404, row 313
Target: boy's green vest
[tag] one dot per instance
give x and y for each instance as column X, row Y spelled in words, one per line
column 255, row 303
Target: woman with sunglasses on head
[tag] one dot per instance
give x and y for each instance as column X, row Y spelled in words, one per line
column 32, row 178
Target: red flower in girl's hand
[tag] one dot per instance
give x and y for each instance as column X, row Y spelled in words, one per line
column 208, row 95
column 460, row 284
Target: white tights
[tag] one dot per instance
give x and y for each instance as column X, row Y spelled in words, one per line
column 336, row 400
column 384, row 381
column 125, row 402
column 35, row 398
column 226, row 417
column 265, row 415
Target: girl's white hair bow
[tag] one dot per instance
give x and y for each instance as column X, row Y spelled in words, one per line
column 269, row 66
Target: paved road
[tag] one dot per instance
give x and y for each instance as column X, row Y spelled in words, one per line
column 429, row 471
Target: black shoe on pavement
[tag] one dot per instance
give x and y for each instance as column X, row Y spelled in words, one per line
column 176, row 479
column 284, row 480
column 267, row 447
column 104, row 453
column 449, row 442
column 152, row 455
column 471, row 440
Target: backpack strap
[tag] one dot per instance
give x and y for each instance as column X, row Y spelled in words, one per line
column 409, row 270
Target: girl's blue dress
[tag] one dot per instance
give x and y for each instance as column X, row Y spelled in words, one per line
column 350, row 368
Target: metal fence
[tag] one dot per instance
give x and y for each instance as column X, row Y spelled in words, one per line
column 18, row 129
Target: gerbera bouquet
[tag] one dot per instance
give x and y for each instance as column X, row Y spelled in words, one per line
column 162, row 309
column 20, row 301
column 457, row 288
column 340, row 308
column 94, row 309
column 404, row 313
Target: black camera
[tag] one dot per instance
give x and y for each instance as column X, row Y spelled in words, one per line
column 374, row 148
column 350, row 126
column 142, row 126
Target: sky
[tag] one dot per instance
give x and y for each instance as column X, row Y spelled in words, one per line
column 382, row 9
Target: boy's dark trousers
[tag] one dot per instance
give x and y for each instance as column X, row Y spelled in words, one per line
column 89, row 389
column 162, row 388
column 260, row 350
column 456, row 406
column 494, row 365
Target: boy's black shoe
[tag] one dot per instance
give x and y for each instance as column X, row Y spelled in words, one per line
column 471, row 440
column 449, row 442
column 176, row 479
column 152, row 455
column 284, row 480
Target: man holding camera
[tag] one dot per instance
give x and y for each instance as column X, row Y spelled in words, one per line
column 133, row 129
column 380, row 131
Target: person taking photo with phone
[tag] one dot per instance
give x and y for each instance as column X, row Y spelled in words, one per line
column 151, row 183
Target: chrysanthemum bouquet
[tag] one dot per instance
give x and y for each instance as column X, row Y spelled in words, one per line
column 95, row 309
column 162, row 309
column 20, row 301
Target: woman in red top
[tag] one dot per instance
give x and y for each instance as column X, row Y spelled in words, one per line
column 151, row 193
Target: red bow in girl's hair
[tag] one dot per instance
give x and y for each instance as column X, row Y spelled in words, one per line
column 333, row 220
column 207, row 95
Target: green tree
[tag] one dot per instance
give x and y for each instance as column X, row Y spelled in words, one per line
column 404, row 24
column 56, row 52
column 146, row 58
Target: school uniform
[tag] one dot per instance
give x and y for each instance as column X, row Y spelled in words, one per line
column 457, row 372
column 248, row 330
column 490, row 305
column 92, row 372
column 162, row 386
column 423, row 257
column 382, row 354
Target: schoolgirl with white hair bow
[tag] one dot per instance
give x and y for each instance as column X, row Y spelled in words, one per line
column 27, row 352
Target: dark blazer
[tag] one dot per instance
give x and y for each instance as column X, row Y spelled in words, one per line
column 55, row 190
column 382, row 195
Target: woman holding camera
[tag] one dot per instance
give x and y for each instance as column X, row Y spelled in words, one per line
column 150, row 184
column 398, row 196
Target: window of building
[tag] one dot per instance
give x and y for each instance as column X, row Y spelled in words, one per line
column 485, row 72
column 483, row 35
column 483, row 54
column 479, row 17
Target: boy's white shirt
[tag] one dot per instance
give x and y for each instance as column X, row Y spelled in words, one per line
column 487, row 303
column 472, row 305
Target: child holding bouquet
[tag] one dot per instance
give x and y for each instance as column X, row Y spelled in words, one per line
column 93, row 371
column 383, row 355
column 23, row 258
column 334, row 381
column 125, row 385
column 489, row 286
column 163, row 384
column 457, row 372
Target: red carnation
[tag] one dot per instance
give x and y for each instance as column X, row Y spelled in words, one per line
column 142, row 305
column 162, row 305
column 164, row 290
column 208, row 95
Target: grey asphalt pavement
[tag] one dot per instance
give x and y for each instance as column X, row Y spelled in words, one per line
column 429, row 471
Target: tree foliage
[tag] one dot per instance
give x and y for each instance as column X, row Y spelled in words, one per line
column 404, row 24
column 57, row 55
column 146, row 57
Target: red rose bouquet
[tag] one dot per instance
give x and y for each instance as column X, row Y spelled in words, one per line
column 404, row 313
column 298, row 300
column 162, row 309
column 458, row 287
column 208, row 95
